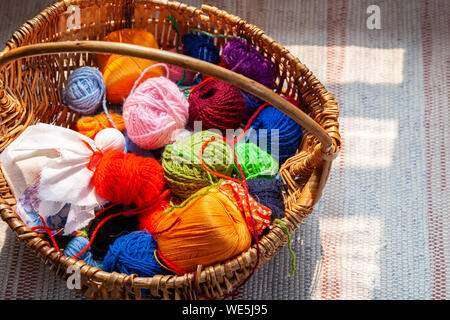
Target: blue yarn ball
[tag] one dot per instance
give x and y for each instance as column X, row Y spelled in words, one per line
column 85, row 90
column 200, row 46
column 289, row 133
column 75, row 246
column 252, row 103
column 133, row 254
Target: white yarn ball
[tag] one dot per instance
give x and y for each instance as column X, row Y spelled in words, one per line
column 109, row 139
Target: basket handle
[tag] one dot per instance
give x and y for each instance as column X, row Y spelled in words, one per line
column 180, row 60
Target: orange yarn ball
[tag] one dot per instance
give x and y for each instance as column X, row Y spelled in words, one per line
column 121, row 72
column 208, row 229
column 148, row 220
column 128, row 178
column 90, row 126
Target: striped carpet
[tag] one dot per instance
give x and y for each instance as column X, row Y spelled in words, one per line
column 379, row 231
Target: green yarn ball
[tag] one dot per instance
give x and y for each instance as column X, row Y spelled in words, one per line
column 182, row 167
column 255, row 162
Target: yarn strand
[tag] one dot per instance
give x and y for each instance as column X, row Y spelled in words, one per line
column 146, row 70
column 212, row 35
column 167, row 211
column 95, row 233
column 170, row 265
column 126, row 213
column 283, row 226
column 161, row 264
column 55, row 245
column 105, row 110
column 177, row 30
column 244, row 184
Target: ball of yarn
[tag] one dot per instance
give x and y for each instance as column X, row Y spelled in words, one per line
column 90, row 126
column 85, row 90
column 128, row 179
column 201, row 47
column 110, row 230
column 241, row 57
column 271, row 125
column 255, row 162
column 110, row 139
column 133, row 253
column 217, row 104
column 182, row 168
column 121, row 72
column 176, row 73
column 256, row 215
column 75, row 246
column 148, row 220
column 153, row 112
column 268, row 192
column 206, row 230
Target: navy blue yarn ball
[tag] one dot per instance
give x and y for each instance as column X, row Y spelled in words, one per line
column 268, row 192
column 252, row 103
column 200, row 46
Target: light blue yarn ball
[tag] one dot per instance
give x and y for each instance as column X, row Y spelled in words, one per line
column 85, row 90
column 75, row 246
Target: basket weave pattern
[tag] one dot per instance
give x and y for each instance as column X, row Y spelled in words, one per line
column 30, row 92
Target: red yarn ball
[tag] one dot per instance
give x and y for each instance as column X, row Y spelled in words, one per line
column 128, row 179
column 217, row 104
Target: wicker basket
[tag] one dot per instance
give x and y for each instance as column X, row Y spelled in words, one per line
column 39, row 57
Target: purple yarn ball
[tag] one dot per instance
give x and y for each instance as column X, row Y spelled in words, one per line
column 242, row 58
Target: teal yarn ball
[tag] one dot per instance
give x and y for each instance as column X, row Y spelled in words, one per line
column 187, row 90
column 280, row 132
column 85, row 90
column 134, row 253
column 76, row 245
column 255, row 162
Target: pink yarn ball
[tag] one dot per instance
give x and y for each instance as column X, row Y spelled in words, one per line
column 176, row 72
column 154, row 113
